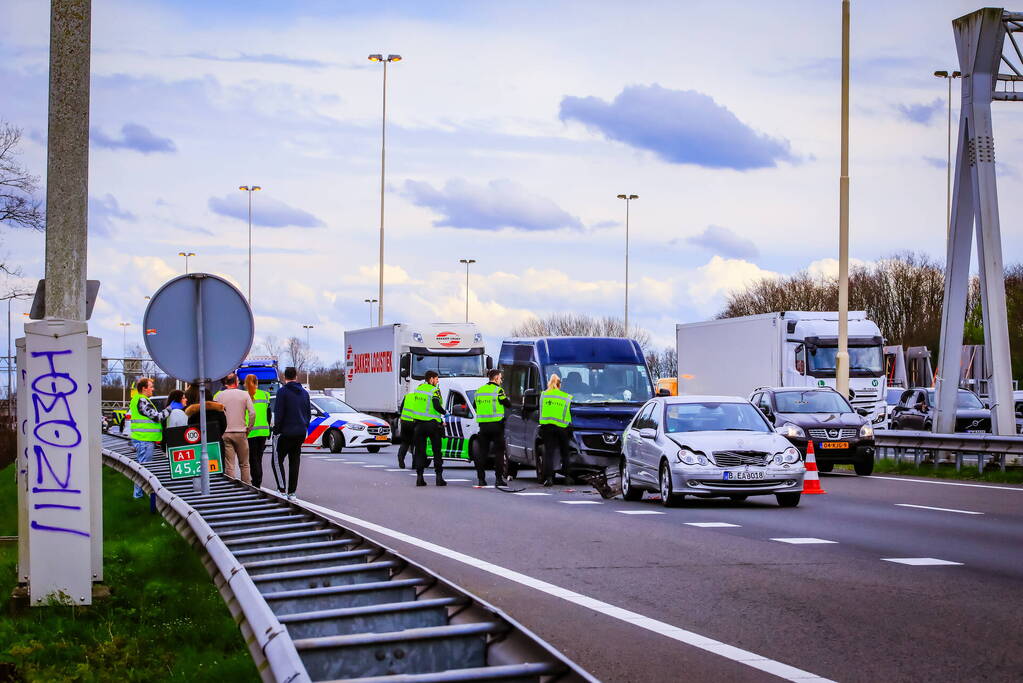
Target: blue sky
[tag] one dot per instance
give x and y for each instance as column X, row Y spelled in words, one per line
column 511, row 129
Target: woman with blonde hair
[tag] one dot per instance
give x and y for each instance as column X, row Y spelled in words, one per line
column 555, row 420
column 260, row 430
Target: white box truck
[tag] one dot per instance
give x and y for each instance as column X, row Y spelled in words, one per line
column 382, row 364
column 735, row 356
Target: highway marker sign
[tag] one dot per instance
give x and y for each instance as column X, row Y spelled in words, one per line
column 186, row 461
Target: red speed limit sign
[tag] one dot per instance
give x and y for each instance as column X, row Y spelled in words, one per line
column 192, row 435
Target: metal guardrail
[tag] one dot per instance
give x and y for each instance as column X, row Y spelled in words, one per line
column 977, row 445
column 317, row 601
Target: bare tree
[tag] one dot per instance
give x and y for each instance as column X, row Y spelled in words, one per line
column 579, row 325
column 272, row 346
column 18, row 206
column 299, row 354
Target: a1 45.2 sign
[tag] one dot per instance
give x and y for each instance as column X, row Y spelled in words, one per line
column 186, row 461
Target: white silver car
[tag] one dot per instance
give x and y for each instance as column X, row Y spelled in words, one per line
column 707, row 446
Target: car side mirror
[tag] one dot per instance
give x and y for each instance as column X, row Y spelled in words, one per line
column 530, row 399
column 490, row 362
column 648, row 433
column 405, row 365
column 461, row 410
column 768, row 413
column 863, row 411
column 663, row 392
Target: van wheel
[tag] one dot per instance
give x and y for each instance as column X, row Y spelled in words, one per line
column 334, row 440
column 373, row 449
column 825, row 466
column 865, row 467
column 629, row 492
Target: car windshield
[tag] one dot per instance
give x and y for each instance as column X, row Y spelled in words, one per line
column 713, row 417
column 603, row 382
column 329, row 404
column 448, row 366
column 893, row 396
column 864, row 361
column 811, row 402
column 965, row 399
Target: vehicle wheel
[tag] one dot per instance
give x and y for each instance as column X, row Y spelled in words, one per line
column 373, row 449
column 865, row 467
column 788, row 500
column 738, row 498
column 825, row 466
column 669, row 498
column 334, row 440
column 629, row 492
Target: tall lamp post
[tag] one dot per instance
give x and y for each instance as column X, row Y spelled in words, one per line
column 948, row 162
column 307, row 347
column 186, row 254
column 370, row 302
column 10, row 361
column 842, row 356
column 124, row 361
column 383, row 157
column 467, row 262
column 628, row 200
column 250, row 189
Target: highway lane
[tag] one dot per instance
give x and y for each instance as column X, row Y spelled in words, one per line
column 836, row 609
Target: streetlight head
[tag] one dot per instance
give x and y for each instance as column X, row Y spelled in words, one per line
column 394, row 58
column 621, row 196
column 376, row 58
column 941, row 74
column 243, row 187
column 957, row 74
column 181, row 253
column 256, row 188
column 633, row 196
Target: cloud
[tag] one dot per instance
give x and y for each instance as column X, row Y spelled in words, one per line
column 600, row 225
column 724, row 242
column 936, row 162
column 136, row 137
column 679, row 126
column 496, row 205
column 828, row 267
column 101, row 212
column 266, row 211
column 719, row 276
column 921, row 113
column 260, row 59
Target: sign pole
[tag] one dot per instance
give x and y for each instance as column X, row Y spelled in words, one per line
column 204, row 467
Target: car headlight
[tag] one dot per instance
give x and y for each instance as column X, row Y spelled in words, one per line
column 690, row 458
column 356, row 427
column 791, row 431
column 867, row 430
column 791, row 455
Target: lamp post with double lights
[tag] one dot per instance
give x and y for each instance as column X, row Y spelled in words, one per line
column 383, row 158
column 370, row 302
column 467, row 262
column 628, row 200
column 186, row 254
column 250, row 189
column 308, row 352
column 124, row 361
column 948, row 159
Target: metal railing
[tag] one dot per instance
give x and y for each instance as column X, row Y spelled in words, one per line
column 317, row 601
column 923, row 444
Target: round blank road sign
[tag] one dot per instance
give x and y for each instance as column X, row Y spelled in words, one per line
column 171, row 327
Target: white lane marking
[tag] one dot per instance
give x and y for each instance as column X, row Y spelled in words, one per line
column 711, row 525
column 333, row 459
column 639, row 512
column 580, row 502
column 354, row 462
column 456, row 480
column 802, row 541
column 939, row 483
column 374, row 465
column 532, row 493
column 920, row 561
column 394, row 469
column 928, row 507
column 750, row 659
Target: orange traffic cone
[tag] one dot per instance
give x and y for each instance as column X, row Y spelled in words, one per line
column 811, row 480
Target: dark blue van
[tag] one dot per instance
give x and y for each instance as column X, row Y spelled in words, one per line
column 607, row 378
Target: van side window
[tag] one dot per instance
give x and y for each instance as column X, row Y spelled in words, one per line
column 516, row 377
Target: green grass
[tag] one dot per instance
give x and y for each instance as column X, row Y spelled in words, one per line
column 1012, row 475
column 164, row 619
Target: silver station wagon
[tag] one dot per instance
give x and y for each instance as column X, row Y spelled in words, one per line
column 707, row 446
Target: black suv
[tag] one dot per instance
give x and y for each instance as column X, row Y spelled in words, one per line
column 840, row 435
column 915, row 411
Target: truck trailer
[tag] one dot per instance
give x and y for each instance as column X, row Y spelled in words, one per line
column 735, row 356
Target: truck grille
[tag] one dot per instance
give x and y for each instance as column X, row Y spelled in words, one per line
column 844, row 433
column 736, row 458
column 609, row 443
column 377, row 431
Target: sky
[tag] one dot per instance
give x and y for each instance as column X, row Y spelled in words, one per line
column 511, row 128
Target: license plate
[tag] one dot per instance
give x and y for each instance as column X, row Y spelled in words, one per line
column 834, row 444
column 381, row 438
column 976, row 431
column 742, row 475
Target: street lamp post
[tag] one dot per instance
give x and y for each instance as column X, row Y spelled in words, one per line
column 250, row 189
column 307, row 350
column 383, row 151
column 186, row 254
column 628, row 200
column 10, row 361
column 842, row 355
column 948, row 162
column 124, row 361
column 370, row 302
column 467, row 262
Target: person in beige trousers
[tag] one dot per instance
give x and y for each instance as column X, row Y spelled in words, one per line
column 241, row 415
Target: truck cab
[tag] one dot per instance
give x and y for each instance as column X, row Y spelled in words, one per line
column 266, row 372
column 608, row 380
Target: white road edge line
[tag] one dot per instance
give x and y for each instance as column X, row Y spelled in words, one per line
column 940, row 483
column 735, row 654
column 928, row 507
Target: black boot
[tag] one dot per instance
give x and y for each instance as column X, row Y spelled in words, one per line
column 481, row 479
column 439, row 479
column 401, row 463
column 420, row 479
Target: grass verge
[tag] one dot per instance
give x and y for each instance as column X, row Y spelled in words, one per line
column 164, row 619
column 944, row 471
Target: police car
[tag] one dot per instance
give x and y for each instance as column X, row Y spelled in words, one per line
column 336, row 425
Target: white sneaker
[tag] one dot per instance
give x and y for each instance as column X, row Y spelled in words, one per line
column 291, row 496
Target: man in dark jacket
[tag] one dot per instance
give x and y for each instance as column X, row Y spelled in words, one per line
column 291, row 424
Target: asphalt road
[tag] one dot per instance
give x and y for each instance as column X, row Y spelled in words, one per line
column 839, row 610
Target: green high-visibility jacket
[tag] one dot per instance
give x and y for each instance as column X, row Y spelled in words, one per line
column 261, row 402
column 142, row 427
column 419, row 404
column 489, row 407
column 555, row 408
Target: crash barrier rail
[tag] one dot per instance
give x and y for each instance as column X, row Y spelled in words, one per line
column 979, row 446
column 319, row 602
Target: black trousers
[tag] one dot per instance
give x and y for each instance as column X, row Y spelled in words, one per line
column 408, row 435
column 491, row 440
column 289, row 448
column 428, row 429
column 257, row 444
column 555, row 448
